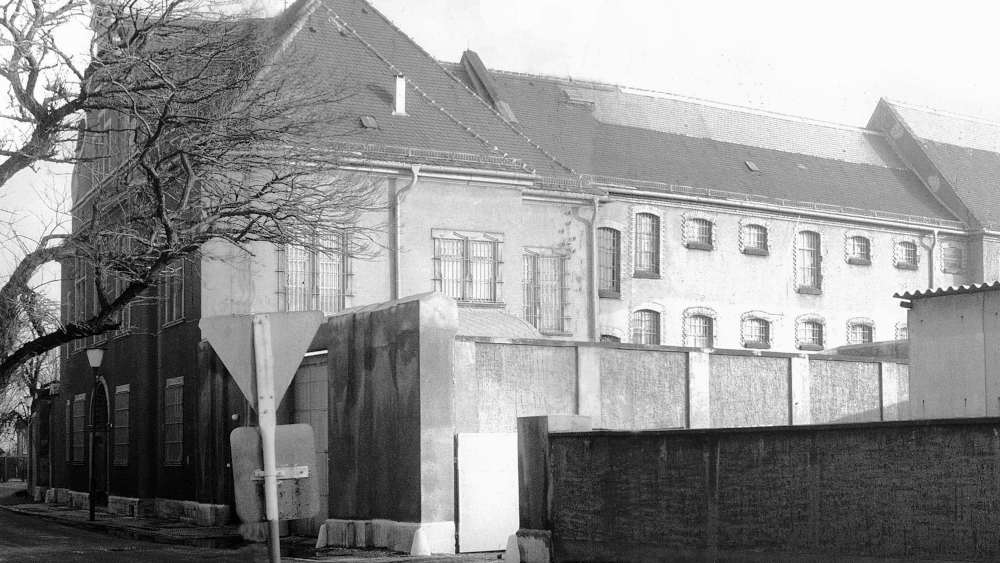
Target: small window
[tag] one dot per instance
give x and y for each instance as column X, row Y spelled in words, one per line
column 121, row 428
column 860, row 332
column 755, row 240
column 645, row 327
column 314, row 279
column 808, row 260
column 756, row 333
column 647, row 245
column 609, row 252
column 699, row 234
column 173, row 421
column 810, row 335
column 906, row 255
column 172, row 294
column 699, row 331
column 859, row 251
column 952, row 258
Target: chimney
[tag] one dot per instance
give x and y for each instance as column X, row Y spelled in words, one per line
column 400, row 108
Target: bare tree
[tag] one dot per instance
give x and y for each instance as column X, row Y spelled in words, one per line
column 185, row 127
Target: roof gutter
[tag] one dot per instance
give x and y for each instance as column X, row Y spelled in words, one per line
column 785, row 210
column 433, row 168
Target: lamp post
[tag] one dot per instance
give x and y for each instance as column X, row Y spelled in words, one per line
column 94, row 356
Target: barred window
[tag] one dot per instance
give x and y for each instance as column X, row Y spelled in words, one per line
column 860, row 332
column 79, row 299
column 172, row 294
column 699, row 234
column 902, row 333
column 859, row 251
column 122, row 424
column 314, row 280
column 906, row 255
column 647, row 244
column 700, row 331
column 645, row 327
column 545, row 292
column 173, row 421
column 810, row 334
column 756, row 333
column 125, row 314
column 466, row 268
column 609, row 244
column 755, row 239
column 610, row 338
column 809, row 270
column 79, row 427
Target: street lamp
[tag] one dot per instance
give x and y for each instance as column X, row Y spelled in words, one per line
column 94, row 356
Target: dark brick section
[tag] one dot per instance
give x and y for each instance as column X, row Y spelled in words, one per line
column 903, row 490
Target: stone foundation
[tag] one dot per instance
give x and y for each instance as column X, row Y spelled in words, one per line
column 130, row 506
column 79, row 499
column 201, row 514
column 416, row 538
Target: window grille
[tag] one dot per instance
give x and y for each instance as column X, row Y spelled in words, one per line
column 810, row 274
column 755, row 239
column 756, row 333
column 699, row 234
column 645, row 327
column 860, row 333
column 647, row 244
column 467, row 269
column 79, row 299
column 173, row 421
column 811, row 334
column 314, row 280
column 700, row 331
column 609, row 262
column 545, row 292
column 906, row 255
column 79, row 427
column 859, row 251
column 121, row 428
column 172, row 294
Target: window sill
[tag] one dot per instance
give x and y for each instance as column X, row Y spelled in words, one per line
column 756, row 252
column 695, row 245
column 556, row 333
column 481, row 304
column 172, row 323
column 808, row 290
column 810, row 347
column 854, row 261
column 608, row 294
column 952, row 270
column 905, row 266
column 757, row 345
column 646, row 275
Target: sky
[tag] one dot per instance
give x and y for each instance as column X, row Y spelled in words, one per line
column 829, row 61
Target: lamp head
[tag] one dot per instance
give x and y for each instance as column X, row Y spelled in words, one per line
column 95, row 356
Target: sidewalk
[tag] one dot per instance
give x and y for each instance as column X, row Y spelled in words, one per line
column 14, row 499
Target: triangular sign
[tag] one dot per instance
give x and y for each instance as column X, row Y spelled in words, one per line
column 231, row 336
column 291, row 335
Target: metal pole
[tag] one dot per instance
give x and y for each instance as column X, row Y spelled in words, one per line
column 90, row 455
column 267, row 420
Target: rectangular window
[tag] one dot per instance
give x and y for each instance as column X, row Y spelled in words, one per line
column 467, row 266
column 755, row 240
column 121, row 428
column 79, row 427
column 810, row 275
column 860, row 333
column 699, row 234
column 172, row 294
column 609, row 245
column 79, row 299
column 314, row 279
column 810, row 335
column 647, row 245
column 545, row 299
column 700, row 331
column 906, row 255
column 173, row 421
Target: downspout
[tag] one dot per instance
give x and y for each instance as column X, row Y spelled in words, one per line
column 930, row 260
column 592, row 258
column 397, row 198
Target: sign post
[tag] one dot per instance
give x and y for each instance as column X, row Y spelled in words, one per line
column 276, row 355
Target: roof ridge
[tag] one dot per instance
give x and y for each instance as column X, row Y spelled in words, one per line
column 943, row 113
column 693, row 99
column 458, row 81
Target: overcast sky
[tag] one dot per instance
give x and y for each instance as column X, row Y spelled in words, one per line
column 829, row 62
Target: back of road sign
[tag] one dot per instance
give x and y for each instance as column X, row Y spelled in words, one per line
column 295, row 451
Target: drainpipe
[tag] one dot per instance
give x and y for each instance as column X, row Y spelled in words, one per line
column 397, row 198
column 591, row 225
column 930, row 260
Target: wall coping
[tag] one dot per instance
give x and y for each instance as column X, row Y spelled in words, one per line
column 684, row 349
column 803, row 428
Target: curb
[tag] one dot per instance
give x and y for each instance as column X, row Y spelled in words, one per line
column 229, row 541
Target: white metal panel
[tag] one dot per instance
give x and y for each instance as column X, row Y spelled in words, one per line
column 487, row 491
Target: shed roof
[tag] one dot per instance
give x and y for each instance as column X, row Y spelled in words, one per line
column 952, row 290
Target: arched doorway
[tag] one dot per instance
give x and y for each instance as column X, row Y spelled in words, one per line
column 99, row 450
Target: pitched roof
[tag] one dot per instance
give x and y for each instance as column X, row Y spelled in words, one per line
column 966, row 152
column 351, row 47
column 607, row 130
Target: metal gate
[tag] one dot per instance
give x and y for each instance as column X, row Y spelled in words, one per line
column 487, row 490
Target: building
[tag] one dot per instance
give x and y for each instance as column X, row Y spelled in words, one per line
column 590, row 211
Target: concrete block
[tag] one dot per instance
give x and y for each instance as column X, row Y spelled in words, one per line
column 529, row 546
column 123, row 506
column 50, row 496
column 347, row 533
column 62, row 496
column 78, row 499
column 588, row 381
column 38, row 493
column 202, row 514
column 699, row 390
